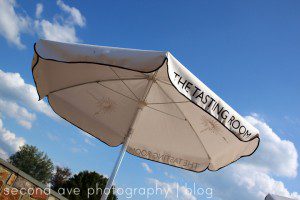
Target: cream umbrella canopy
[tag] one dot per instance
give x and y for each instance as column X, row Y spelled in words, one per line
column 146, row 100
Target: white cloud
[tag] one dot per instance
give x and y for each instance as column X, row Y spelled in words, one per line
column 14, row 89
column 85, row 134
column 79, row 149
column 73, row 141
column 76, row 147
column 292, row 120
column 173, row 190
column 274, row 155
column 75, row 16
column 146, row 167
column 21, row 114
column 88, row 138
column 3, row 154
column 53, row 137
column 242, row 181
column 39, row 9
column 9, row 142
column 88, row 141
column 259, row 184
column 12, row 24
column 252, row 178
column 62, row 28
column 170, row 176
column 56, row 31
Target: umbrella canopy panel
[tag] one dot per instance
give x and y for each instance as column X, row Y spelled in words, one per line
column 182, row 122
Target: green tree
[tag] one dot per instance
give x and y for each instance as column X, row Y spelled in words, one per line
column 88, row 183
column 33, row 162
column 61, row 176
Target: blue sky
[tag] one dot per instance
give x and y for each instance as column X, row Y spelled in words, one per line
column 245, row 51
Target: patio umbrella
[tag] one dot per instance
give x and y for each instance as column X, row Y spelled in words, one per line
column 276, row 197
column 146, row 100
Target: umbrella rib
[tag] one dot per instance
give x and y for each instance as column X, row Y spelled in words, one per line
column 108, row 80
column 166, row 113
column 124, row 79
column 116, row 92
column 159, row 103
column 199, row 139
column 92, row 95
column 187, row 122
column 172, row 102
column 151, row 82
column 124, row 83
column 165, row 82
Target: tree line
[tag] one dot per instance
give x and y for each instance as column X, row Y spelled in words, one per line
column 37, row 164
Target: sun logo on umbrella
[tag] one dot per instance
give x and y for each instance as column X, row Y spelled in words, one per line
column 212, row 126
column 105, row 105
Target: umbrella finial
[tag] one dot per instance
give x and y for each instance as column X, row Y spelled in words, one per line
column 142, row 104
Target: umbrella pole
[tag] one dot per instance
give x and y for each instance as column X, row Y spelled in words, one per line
column 125, row 144
column 112, row 177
